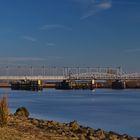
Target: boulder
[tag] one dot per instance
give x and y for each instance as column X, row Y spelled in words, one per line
column 22, row 112
column 74, row 125
column 113, row 135
column 99, row 133
column 34, row 121
column 82, row 137
column 125, row 136
column 89, row 131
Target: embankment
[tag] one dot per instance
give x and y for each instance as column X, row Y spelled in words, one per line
column 20, row 127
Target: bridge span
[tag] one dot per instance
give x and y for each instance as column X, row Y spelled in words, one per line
column 32, row 78
column 82, row 76
column 63, row 73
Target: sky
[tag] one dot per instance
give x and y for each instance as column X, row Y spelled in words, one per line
column 83, row 33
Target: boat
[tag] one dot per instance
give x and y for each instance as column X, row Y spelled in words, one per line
column 33, row 85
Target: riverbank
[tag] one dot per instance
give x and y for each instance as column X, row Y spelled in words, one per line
column 24, row 128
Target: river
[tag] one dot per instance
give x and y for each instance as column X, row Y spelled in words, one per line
column 115, row 110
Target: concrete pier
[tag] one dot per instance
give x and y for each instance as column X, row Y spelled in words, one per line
column 118, row 84
column 83, row 84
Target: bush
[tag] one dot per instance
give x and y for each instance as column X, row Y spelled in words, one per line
column 4, row 111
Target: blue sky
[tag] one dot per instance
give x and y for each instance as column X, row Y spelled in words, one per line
column 70, row 33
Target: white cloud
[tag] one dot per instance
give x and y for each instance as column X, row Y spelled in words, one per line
column 50, row 44
column 29, row 38
column 92, row 7
column 104, row 5
column 54, row 27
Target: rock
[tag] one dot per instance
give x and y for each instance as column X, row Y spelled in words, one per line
column 22, row 112
column 112, row 135
column 34, row 122
column 93, row 138
column 65, row 128
column 59, row 130
column 74, row 125
column 63, row 133
column 54, row 124
column 49, row 124
column 89, row 131
column 100, row 133
column 82, row 137
column 125, row 136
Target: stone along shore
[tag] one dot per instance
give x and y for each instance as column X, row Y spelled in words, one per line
column 21, row 127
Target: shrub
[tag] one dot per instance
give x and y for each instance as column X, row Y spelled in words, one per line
column 4, row 111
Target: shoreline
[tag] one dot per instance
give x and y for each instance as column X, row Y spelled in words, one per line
column 59, row 120
column 26, row 128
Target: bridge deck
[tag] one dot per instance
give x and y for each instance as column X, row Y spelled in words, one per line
column 61, row 73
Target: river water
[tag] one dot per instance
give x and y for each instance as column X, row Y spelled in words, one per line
column 115, row 110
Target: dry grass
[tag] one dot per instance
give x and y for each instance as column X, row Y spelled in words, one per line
column 4, row 111
column 10, row 134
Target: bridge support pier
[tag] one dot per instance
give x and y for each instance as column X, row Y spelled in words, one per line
column 118, row 84
column 93, row 84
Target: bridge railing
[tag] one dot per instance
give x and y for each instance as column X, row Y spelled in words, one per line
column 44, row 72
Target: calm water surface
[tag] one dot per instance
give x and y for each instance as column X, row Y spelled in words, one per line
column 116, row 110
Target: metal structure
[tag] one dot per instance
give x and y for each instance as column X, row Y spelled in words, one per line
column 61, row 73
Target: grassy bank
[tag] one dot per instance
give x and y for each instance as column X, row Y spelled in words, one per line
column 23, row 128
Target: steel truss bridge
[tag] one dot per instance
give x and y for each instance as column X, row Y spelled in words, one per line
column 62, row 73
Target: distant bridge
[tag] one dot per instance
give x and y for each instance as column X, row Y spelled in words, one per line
column 32, row 78
column 82, row 76
column 61, row 73
column 106, row 76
